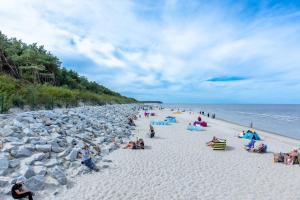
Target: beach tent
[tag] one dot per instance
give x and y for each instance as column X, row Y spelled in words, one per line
column 251, row 134
column 194, row 128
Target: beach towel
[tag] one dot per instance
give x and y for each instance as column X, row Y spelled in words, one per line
column 157, row 122
column 194, row 128
column 220, row 145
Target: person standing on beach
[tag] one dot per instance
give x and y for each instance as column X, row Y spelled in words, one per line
column 251, row 125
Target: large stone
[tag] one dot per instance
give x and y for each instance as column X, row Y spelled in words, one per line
column 35, row 157
column 21, row 152
column 40, row 170
column 4, row 181
column 59, row 175
column 14, row 163
column 4, row 164
column 43, row 148
column 35, row 183
column 27, row 171
column 73, row 154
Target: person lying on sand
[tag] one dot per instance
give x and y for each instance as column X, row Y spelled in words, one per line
column 87, row 159
column 261, row 148
column 130, row 145
column 291, row 157
column 213, row 141
column 17, row 190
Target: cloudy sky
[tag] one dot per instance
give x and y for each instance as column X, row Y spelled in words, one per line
column 188, row 51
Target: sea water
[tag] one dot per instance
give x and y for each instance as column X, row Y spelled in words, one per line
column 281, row 119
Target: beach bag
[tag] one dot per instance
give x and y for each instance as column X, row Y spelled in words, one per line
column 278, row 157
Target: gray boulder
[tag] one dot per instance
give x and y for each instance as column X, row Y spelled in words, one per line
column 59, row 175
column 73, row 154
column 4, row 163
column 35, row 183
column 43, row 148
column 22, row 152
column 35, row 157
column 14, row 163
column 27, row 171
column 4, row 181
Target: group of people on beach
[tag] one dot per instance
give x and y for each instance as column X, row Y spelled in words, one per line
column 289, row 158
column 212, row 115
column 19, row 191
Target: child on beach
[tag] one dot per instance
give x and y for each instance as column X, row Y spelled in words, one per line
column 86, row 158
column 17, row 190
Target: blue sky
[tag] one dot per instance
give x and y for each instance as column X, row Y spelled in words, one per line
column 175, row 51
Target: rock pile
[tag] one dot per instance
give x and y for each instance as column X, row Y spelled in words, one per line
column 43, row 145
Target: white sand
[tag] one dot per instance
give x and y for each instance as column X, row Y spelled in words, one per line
column 178, row 165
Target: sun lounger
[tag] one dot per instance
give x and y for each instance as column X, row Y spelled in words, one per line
column 220, row 145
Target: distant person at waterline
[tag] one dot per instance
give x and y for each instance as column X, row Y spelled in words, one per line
column 152, row 132
column 17, row 190
column 87, row 159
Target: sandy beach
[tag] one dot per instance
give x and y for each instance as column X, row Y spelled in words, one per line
column 177, row 164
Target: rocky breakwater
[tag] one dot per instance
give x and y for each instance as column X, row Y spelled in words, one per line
column 43, row 145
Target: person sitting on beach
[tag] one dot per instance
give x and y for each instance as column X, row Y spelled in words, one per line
column 131, row 122
column 199, row 119
column 261, row 148
column 291, row 157
column 152, row 132
column 17, row 190
column 87, row 159
column 241, row 135
column 140, row 143
column 213, row 141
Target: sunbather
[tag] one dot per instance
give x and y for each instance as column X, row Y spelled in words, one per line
column 261, row 148
column 130, row 145
column 213, row 141
column 291, row 157
column 242, row 134
column 17, row 190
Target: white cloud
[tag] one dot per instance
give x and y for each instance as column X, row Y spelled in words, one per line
column 166, row 50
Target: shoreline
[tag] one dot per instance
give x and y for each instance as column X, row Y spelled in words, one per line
column 281, row 130
column 258, row 129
